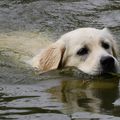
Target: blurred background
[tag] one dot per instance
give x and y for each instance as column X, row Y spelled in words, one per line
column 59, row 16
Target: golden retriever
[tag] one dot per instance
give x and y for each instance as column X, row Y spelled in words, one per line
column 91, row 50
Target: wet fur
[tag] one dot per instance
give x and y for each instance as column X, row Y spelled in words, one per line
column 62, row 53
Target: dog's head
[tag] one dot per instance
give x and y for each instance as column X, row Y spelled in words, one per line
column 91, row 50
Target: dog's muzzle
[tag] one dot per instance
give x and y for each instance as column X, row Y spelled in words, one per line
column 108, row 64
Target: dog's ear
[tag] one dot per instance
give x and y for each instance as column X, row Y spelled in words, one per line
column 51, row 57
column 112, row 39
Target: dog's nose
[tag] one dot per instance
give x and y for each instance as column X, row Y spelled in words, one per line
column 107, row 63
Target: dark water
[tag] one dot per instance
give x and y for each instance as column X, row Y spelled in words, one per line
column 26, row 95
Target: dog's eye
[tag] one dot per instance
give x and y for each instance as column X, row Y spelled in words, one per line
column 83, row 51
column 105, row 45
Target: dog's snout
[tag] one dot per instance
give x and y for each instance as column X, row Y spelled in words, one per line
column 108, row 64
column 107, row 61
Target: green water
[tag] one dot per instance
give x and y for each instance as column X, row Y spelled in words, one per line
column 28, row 25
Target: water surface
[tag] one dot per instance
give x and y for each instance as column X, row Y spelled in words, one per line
column 26, row 26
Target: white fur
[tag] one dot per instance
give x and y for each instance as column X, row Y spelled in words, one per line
column 74, row 40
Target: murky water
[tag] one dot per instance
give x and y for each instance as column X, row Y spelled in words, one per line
column 28, row 25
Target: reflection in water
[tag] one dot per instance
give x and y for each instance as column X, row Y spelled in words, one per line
column 91, row 96
column 75, row 98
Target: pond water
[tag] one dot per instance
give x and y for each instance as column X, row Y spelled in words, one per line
column 28, row 25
